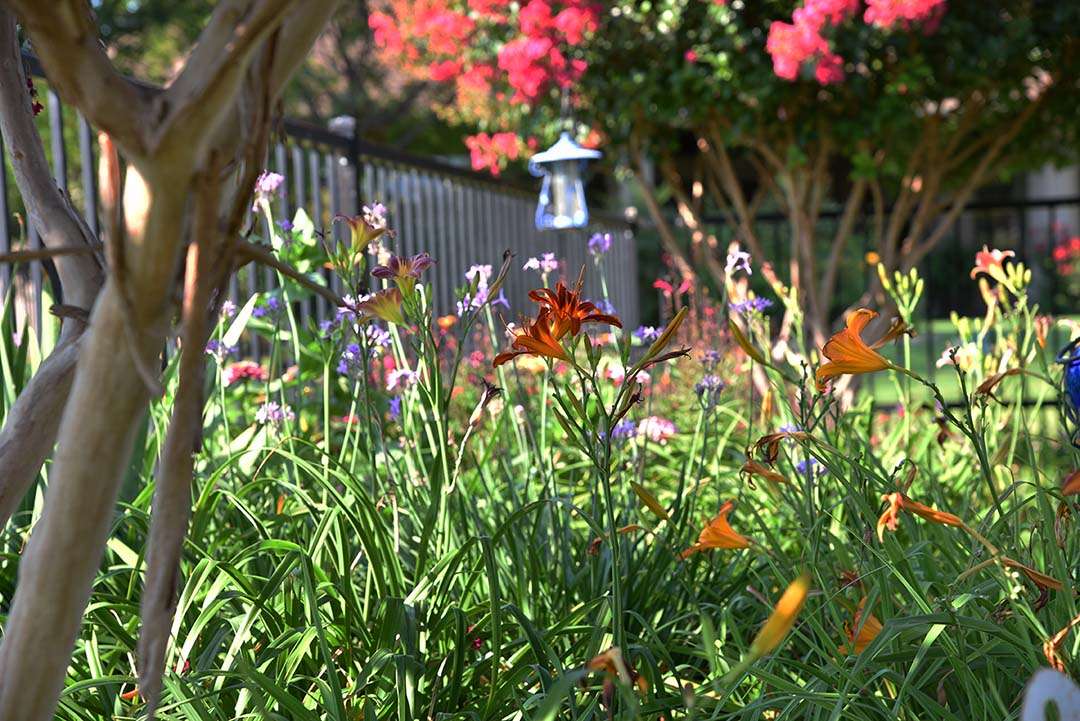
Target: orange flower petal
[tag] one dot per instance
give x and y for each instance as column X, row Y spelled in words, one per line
column 899, row 502
column 568, row 311
column 1070, row 486
column 718, row 534
column 930, row 514
column 783, row 617
column 868, row 629
column 848, row 353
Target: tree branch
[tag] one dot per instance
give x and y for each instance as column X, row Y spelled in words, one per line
column 978, row 176
column 730, row 184
column 172, row 492
column 686, row 207
column 191, row 106
column 31, row 425
column 667, row 235
column 852, row 208
column 264, row 256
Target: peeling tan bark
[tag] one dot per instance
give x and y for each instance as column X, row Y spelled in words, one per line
column 31, row 425
column 64, row 550
column 172, row 492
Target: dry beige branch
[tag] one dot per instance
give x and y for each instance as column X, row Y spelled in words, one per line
column 25, row 256
column 852, row 209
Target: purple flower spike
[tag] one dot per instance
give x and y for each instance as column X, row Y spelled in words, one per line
column 600, row 243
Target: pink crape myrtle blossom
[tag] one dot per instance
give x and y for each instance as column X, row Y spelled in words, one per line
column 531, row 54
column 887, row 13
column 491, row 152
column 802, row 42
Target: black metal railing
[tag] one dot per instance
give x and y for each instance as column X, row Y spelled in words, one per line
column 459, row 216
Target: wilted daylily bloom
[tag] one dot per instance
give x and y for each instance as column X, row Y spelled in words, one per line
column 782, row 618
column 754, row 468
column 897, row 502
column 991, row 262
column 862, row 631
column 568, row 311
column 986, row 388
column 365, row 227
column 490, row 392
column 536, row 338
column 718, row 534
column 771, row 441
column 1039, row 579
column 848, row 353
column 385, row 304
column 404, row 271
column 612, row 664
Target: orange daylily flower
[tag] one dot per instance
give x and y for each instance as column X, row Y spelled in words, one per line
column 848, row 353
column 782, row 618
column 718, row 534
column 568, row 311
column 899, row 502
column 991, row 262
column 535, row 338
column 1070, row 486
column 868, row 630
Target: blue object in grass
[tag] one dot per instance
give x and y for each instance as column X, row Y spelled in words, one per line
column 1070, row 385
